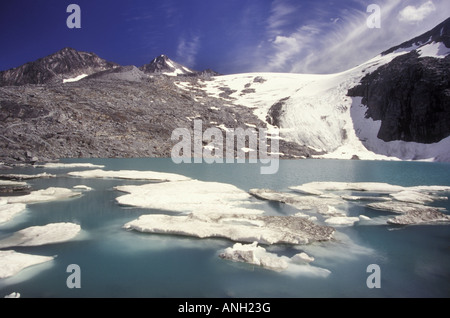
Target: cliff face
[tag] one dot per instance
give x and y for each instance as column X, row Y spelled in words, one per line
column 411, row 97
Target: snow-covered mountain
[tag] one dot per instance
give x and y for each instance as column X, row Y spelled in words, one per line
column 394, row 106
column 163, row 65
column 317, row 110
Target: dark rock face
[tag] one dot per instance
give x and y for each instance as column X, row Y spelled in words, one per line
column 411, row 97
column 275, row 113
column 64, row 64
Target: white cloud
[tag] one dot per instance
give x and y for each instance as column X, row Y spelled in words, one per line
column 187, row 51
column 416, row 14
column 330, row 40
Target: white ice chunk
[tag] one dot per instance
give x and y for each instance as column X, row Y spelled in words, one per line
column 12, row 262
column 188, row 196
column 320, row 204
column 397, row 207
column 49, row 194
column 256, row 255
column 82, row 187
column 9, row 211
column 28, row 176
column 342, row 220
column 238, row 228
column 13, row 295
column 10, row 183
column 302, row 258
column 415, row 197
column 42, row 235
column 58, row 165
column 130, row 175
column 424, row 216
column 376, row 187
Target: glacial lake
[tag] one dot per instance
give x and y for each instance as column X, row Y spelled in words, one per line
column 114, row 262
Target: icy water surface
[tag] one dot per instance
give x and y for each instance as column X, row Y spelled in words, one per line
column 114, row 262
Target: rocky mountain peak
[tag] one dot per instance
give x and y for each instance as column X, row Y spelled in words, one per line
column 64, row 64
column 164, row 65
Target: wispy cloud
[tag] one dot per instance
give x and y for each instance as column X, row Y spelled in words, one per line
column 416, row 13
column 334, row 39
column 187, row 50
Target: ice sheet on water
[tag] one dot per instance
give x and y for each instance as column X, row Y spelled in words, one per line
column 9, row 211
column 42, row 235
column 188, row 196
column 58, row 165
column 259, row 256
column 130, row 175
column 12, row 262
column 263, row 229
column 44, row 195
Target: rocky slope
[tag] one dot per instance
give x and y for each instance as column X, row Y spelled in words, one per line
column 120, row 113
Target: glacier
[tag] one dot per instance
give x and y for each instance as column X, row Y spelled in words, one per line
column 318, row 113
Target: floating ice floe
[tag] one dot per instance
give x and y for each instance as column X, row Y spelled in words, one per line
column 26, row 176
column 82, row 187
column 321, row 204
column 12, row 262
column 398, row 207
column 259, row 256
column 420, row 216
column 342, row 220
column 10, row 183
column 415, row 197
column 58, row 165
column 130, row 175
column 256, row 255
column 42, row 235
column 44, row 195
column 13, row 295
column 319, row 187
column 263, row 229
column 188, row 196
column 9, row 211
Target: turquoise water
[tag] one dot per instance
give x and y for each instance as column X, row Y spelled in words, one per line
column 414, row 260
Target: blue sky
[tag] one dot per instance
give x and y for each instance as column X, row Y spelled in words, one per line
column 229, row 36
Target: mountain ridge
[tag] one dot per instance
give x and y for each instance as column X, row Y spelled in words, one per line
column 126, row 111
